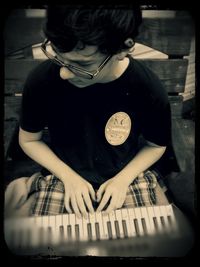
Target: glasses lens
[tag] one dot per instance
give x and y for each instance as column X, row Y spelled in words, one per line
column 50, row 53
column 80, row 73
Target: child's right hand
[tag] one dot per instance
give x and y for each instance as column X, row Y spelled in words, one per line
column 78, row 195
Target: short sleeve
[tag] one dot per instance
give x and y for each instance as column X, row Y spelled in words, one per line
column 155, row 111
column 32, row 113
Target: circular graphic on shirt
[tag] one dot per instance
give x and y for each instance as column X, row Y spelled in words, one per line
column 118, row 128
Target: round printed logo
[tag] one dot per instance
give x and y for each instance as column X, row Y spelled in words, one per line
column 118, row 128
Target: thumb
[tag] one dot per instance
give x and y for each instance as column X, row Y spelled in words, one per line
column 100, row 191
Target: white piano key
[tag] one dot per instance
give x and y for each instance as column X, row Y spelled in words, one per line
column 125, row 217
column 45, row 224
column 105, row 219
column 20, row 232
column 79, row 222
column 131, row 215
column 85, row 222
column 35, row 233
column 170, row 213
column 65, row 219
column 58, row 223
column 72, row 222
column 151, row 215
column 163, row 213
column 111, row 216
column 158, row 216
column 171, row 218
column 139, row 220
column 54, row 230
column 118, row 216
column 92, row 221
column 99, row 220
column 147, row 221
column 8, row 232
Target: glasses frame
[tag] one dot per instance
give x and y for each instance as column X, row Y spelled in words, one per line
column 91, row 75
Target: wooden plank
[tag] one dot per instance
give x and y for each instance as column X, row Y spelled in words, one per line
column 12, row 87
column 16, row 72
column 9, row 130
column 183, row 138
column 21, row 32
column 12, row 107
column 171, row 72
column 164, row 34
column 176, row 103
column 160, row 32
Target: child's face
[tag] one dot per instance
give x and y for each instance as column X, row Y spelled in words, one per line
column 88, row 59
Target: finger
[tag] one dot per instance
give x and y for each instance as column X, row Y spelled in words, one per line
column 113, row 204
column 92, row 192
column 103, row 202
column 81, row 205
column 66, row 201
column 75, row 206
column 88, row 202
column 100, row 191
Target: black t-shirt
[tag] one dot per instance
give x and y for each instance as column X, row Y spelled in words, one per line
column 77, row 117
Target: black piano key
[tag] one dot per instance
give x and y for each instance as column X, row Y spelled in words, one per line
column 162, row 221
column 41, row 235
column 69, row 232
column 61, row 230
column 89, row 228
column 117, row 229
column 28, row 240
column 169, row 218
column 125, row 228
column 144, row 226
column 109, row 230
column 97, row 231
column 155, row 223
column 137, row 230
column 77, row 232
column 19, row 238
column 49, row 231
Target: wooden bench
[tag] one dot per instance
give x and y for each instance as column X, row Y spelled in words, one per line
column 167, row 31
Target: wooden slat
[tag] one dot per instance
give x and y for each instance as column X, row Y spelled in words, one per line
column 159, row 32
column 176, row 103
column 171, row 72
column 164, row 34
column 22, row 32
column 16, row 72
column 183, row 142
column 12, row 107
column 9, row 130
column 12, row 87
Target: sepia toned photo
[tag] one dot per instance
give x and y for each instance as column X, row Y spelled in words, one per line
column 99, row 131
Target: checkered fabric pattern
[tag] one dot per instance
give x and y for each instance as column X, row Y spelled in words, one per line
column 49, row 193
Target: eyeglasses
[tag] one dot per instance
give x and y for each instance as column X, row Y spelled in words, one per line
column 77, row 71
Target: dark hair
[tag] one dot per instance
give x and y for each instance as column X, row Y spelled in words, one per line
column 102, row 26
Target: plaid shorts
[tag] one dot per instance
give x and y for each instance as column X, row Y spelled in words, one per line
column 49, row 193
